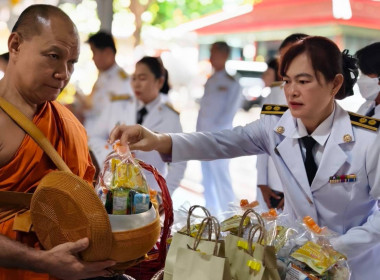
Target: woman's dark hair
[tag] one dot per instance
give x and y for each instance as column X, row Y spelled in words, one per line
column 273, row 63
column 157, row 68
column 5, row 56
column 327, row 60
column 369, row 59
column 291, row 39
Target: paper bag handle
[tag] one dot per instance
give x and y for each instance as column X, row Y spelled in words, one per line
column 245, row 215
column 211, row 221
column 190, row 213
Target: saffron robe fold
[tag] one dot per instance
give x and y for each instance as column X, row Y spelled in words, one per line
column 30, row 164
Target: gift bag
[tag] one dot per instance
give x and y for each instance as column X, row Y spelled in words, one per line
column 236, row 245
column 194, row 264
column 258, row 261
column 183, row 240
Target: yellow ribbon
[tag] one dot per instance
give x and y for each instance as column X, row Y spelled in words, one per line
column 254, row 265
column 202, row 253
column 244, row 245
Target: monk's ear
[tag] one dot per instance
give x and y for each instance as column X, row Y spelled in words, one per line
column 14, row 43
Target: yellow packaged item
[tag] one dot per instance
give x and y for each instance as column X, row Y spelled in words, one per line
column 232, row 223
column 316, row 257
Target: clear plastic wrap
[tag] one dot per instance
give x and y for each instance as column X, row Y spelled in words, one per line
column 313, row 257
column 121, row 184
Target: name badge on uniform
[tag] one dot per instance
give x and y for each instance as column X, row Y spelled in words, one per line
column 342, row 178
column 222, row 88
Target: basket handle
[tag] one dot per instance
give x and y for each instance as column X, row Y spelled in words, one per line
column 168, row 208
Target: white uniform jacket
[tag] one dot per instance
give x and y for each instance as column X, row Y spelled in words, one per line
column 118, row 111
column 160, row 118
column 266, row 171
column 220, row 102
column 348, row 208
column 110, row 84
column 367, row 106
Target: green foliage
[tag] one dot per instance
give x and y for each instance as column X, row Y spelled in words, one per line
column 170, row 13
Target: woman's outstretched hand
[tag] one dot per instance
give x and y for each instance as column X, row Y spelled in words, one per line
column 140, row 138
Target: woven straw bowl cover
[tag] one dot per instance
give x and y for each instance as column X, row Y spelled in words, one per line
column 65, row 208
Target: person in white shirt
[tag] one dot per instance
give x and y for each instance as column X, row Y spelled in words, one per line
column 270, row 190
column 334, row 182
column 109, row 92
column 218, row 106
column 150, row 85
column 369, row 80
column 151, row 110
column 112, row 85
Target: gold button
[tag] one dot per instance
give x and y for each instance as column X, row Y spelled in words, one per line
column 362, row 120
column 268, row 108
column 276, row 108
column 280, row 129
column 347, row 138
column 371, row 122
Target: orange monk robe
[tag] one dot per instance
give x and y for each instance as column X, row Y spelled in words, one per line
column 30, row 164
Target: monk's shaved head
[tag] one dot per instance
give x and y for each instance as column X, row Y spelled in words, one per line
column 33, row 18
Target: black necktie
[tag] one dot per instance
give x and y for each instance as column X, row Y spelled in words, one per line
column 310, row 166
column 371, row 112
column 141, row 114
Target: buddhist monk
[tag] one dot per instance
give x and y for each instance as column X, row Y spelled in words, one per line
column 43, row 49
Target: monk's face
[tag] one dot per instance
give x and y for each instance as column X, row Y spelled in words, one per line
column 44, row 63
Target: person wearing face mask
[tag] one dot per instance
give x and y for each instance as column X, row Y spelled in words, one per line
column 369, row 80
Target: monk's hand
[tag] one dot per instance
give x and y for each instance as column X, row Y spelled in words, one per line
column 138, row 137
column 62, row 262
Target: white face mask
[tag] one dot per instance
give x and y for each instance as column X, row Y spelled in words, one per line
column 369, row 87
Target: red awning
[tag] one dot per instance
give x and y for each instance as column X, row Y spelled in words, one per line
column 280, row 14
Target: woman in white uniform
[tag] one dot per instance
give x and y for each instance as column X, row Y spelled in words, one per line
column 157, row 114
column 369, row 80
column 337, row 187
column 152, row 110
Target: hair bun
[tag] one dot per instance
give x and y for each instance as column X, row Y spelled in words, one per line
column 350, row 72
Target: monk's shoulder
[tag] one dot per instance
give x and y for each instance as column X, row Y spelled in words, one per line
column 10, row 142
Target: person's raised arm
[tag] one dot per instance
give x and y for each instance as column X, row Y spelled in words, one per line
column 60, row 262
column 141, row 138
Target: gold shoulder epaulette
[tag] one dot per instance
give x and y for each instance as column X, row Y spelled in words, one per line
column 272, row 109
column 170, row 106
column 276, row 84
column 364, row 121
column 119, row 97
column 123, row 74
